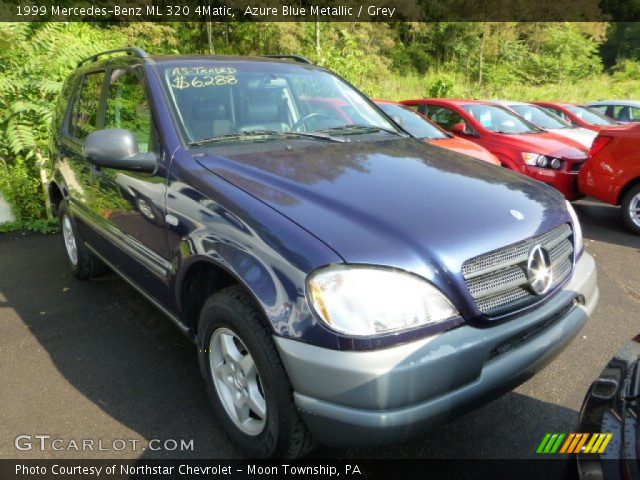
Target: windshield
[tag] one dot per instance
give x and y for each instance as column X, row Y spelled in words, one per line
column 238, row 99
column 412, row 122
column 539, row 116
column 499, row 120
column 590, row 116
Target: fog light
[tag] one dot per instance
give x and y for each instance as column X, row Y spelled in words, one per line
column 556, row 163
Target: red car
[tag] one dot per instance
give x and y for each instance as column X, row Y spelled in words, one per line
column 518, row 144
column 612, row 173
column 420, row 127
column 579, row 116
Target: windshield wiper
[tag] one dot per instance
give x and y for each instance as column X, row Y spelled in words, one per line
column 503, row 132
column 262, row 133
column 361, row 128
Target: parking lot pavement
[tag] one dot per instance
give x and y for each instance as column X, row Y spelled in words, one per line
column 94, row 360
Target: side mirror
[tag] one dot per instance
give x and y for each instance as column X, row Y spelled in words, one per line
column 118, row 148
column 459, row 129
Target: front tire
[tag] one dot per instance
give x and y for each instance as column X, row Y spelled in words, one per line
column 630, row 209
column 82, row 262
column 245, row 379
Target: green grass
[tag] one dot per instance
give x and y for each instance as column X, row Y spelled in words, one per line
column 603, row 86
column 38, row 225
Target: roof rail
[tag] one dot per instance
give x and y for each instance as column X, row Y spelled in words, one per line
column 297, row 58
column 137, row 51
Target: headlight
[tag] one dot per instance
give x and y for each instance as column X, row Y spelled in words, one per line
column 556, row 163
column 365, row 301
column 577, row 230
column 534, row 159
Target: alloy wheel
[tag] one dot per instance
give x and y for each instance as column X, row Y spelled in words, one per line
column 634, row 210
column 69, row 240
column 237, row 381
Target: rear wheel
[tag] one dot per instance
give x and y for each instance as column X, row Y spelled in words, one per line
column 82, row 262
column 245, row 379
column 630, row 209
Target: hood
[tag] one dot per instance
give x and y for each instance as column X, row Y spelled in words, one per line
column 466, row 147
column 583, row 136
column 547, row 143
column 398, row 202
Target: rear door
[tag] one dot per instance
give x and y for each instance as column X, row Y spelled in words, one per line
column 84, row 187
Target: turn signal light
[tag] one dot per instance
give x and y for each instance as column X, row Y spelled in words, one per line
column 598, row 144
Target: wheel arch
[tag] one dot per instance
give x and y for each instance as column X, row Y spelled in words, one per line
column 202, row 277
column 628, row 186
column 55, row 196
column 507, row 162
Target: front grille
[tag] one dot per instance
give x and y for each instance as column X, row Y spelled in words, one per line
column 576, row 166
column 524, row 336
column 498, row 281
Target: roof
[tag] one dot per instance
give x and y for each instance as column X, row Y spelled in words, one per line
column 552, row 102
column 135, row 52
column 624, row 103
column 458, row 101
column 223, row 58
column 509, row 102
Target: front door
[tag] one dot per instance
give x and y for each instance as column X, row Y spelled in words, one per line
column 135, row 201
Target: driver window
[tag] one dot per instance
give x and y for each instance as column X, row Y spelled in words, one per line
column 446, row 118
column 128, row 107
column 622, row 113
column 562, row 115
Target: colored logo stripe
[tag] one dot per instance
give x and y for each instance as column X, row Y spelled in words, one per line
column 574, row 443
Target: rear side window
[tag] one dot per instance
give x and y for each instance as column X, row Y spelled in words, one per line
column 128, row 108
column 84, row 114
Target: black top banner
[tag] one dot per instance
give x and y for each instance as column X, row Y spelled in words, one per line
column 320, row 10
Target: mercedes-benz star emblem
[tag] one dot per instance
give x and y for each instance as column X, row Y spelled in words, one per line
column 516, row 214
column 539, row 270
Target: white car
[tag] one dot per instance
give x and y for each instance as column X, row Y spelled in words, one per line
column 546, row 120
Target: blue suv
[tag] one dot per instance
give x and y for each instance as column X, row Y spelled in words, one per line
column 344, row 283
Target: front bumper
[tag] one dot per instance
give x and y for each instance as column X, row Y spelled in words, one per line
column 564, row 181
column 350, row 398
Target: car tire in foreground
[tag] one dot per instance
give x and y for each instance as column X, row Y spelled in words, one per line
column 630, row 209
column 245, row 378
column 82, row 262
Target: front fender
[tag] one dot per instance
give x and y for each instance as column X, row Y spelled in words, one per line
column 210, row 220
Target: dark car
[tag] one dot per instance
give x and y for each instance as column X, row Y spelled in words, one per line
column 610, row 414
column 343, row 282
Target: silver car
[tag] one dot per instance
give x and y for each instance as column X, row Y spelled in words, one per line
column 623, row 111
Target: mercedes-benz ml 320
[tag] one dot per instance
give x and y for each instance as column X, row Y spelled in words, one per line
column 343, row 282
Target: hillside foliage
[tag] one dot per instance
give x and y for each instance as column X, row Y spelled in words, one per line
column 520, row 61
